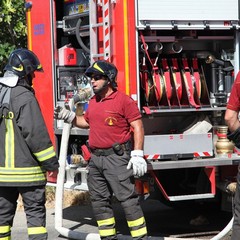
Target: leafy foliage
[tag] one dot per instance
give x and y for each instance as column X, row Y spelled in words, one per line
column 13, row 28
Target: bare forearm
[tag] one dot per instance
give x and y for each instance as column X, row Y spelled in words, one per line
column 138, row 135
column 233, row 126
column 231, row 119
column 79, row 121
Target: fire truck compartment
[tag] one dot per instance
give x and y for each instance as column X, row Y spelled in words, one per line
column 197, row 14
column 181, row 145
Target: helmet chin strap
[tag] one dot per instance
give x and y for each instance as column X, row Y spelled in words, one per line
column 105, row 85
column 26, row 82
column 29, row 79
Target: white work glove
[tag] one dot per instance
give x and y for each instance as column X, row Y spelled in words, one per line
column 137, row 163
column 61, row 113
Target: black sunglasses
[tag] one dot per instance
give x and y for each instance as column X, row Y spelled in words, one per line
column 98, row 77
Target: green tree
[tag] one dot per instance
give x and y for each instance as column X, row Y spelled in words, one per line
column 13, row 28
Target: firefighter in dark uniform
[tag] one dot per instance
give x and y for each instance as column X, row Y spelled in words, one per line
column 115, row 158
column 26, row 149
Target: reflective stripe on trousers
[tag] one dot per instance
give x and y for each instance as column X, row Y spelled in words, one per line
column 108, row 175
column 34, row 207
column 5, row 232
column 37, row 233
column 106, row 227
column 137, row 227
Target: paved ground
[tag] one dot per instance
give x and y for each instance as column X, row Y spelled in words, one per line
column 164, row 222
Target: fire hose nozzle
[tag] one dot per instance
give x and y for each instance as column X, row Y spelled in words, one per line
column 83, row 95
column 210, row 59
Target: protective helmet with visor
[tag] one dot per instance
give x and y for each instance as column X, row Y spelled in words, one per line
column 22, row 62
column 104, row 68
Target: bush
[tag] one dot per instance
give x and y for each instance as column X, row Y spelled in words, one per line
column 13, row 32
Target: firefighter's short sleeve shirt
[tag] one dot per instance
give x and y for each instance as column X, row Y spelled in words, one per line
column 234, row 99
column 110, row 118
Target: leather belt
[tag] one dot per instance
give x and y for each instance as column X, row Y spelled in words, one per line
column 108, row 151
column 102, row 151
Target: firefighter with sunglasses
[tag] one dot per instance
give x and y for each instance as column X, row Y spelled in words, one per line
column 116, row 136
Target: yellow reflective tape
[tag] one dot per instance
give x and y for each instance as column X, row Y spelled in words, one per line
column 37, row 230
column 21, row 171
column 9, row 144
column 53, row 154
column 22, row 178
column 106, row 222
column 107, row 232
column 45, row 154
column 19, row 69
column 139, row 232
column 5, row 229
column 136, row 222
column 98, row 68
column 39, row 66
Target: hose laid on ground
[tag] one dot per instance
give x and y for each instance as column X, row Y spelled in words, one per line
column 227, row 187
column 224, row 232
column 60, row 187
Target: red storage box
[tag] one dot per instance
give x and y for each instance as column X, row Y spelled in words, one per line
column 67, row 56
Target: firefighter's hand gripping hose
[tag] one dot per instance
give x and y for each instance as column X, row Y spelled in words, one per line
column 137, row 163
column 61, row 113
column 60, row 187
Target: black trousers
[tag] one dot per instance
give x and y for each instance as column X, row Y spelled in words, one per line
column 108, row 175
column 236, row 222
column 34, row 206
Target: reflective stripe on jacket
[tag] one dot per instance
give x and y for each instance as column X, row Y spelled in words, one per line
column 25, row 146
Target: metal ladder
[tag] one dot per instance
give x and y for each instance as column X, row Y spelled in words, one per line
column 95, row 6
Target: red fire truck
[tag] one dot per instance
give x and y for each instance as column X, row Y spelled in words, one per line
column 177, row 61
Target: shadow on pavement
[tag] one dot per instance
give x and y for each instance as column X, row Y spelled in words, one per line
column 162, row 220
